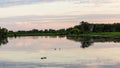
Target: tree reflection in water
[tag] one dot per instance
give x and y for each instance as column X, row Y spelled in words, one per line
column 87, row 41
column 3, row 41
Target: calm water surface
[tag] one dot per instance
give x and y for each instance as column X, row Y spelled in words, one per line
column 60, row 52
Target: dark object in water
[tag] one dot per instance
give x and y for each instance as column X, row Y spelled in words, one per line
column 55, row 49
column 43, row 57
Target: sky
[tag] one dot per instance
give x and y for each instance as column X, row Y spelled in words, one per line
column 56, row 14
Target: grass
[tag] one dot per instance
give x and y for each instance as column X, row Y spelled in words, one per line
column 31, row 34
column 104, row 34
column 99, row 34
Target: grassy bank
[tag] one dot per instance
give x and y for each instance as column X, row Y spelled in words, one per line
column 30, row 34
column 103, row 34
column 99, row 34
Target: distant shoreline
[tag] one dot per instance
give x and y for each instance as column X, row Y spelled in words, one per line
column 94, row 34
column 83, row 29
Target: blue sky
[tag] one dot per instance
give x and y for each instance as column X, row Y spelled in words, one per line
column 8, row 3
column 56, row 14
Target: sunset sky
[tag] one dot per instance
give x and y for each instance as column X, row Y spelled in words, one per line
column 56, row 14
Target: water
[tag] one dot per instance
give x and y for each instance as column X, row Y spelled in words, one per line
column 59, row 52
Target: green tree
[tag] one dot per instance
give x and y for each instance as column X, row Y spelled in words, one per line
column 85, row 27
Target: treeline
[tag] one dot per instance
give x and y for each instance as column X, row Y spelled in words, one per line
column 68, row 31
column 83, row 27
column 3, row 32
column 87, row 27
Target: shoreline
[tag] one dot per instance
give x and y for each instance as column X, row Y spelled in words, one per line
column 92, row 34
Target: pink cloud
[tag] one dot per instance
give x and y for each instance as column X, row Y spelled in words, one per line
column 29, row 25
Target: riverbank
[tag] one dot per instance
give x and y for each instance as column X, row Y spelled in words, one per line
column 103, row 34
column 31, row 34
column 95, row 34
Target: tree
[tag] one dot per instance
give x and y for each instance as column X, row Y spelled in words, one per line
column 85, row 27
column 3, row 32
column 75, row 31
